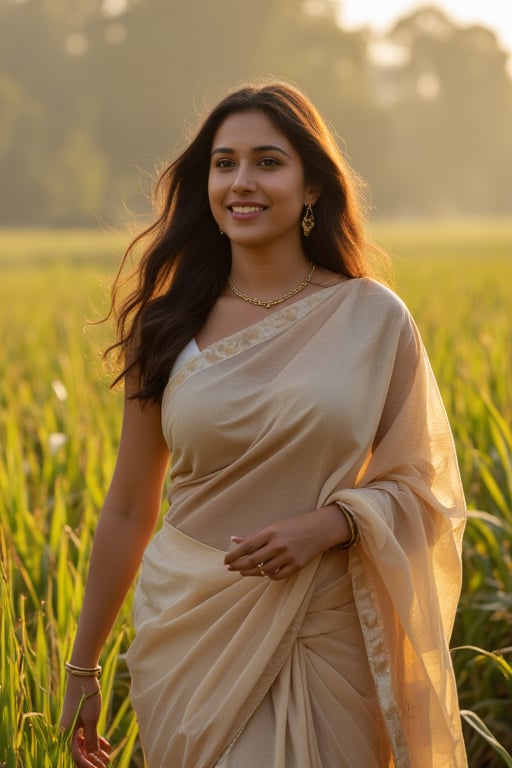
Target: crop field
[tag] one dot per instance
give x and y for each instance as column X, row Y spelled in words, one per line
column 59, row 428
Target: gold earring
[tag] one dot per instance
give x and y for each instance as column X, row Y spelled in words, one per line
column 308, row 222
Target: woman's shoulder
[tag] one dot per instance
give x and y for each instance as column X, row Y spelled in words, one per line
column 372, row 292
column 370, row 295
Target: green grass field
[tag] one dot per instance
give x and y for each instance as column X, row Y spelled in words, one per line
column 59, row 427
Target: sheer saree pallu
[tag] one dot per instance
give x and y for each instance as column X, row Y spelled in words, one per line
column 346, row 664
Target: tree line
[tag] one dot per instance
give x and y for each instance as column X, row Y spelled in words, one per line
column 94, row 98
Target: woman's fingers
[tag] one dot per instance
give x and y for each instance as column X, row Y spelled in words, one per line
column 92, row 756
column 247, row 555
column 253, row 564
column 245, row 548
column 105, row 746
column 267, row 566
column 78, row 753
column 258, row 555
column 261, row 555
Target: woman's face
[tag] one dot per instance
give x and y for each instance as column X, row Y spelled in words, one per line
column 256, row 185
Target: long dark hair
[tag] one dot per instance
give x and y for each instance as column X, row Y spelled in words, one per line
column 185, row 260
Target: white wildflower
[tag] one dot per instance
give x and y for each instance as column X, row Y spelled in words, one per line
column 56, row 440
column 60, row 390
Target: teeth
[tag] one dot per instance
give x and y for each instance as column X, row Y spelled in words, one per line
column 246, row 208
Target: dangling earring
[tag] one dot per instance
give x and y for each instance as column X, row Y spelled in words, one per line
column 221, row 232
column 308, row 222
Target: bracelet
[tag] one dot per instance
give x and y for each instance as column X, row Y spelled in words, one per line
column 355, row 539
column 83, row 671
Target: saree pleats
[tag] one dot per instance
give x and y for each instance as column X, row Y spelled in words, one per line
column 322, row 710
column 217, row 620
column 250, row 657
column 346, row 664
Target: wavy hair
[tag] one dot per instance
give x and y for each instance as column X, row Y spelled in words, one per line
column 185, row 262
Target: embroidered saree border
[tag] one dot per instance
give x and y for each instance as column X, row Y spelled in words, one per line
column 379, row 658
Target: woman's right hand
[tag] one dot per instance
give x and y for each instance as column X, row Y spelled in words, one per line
column 88, row 750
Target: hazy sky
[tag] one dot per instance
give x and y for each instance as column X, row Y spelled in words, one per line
column 380, row 14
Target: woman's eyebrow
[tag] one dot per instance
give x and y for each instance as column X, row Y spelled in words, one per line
column 262, row 148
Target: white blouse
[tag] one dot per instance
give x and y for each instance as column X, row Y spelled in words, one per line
column 189, row 350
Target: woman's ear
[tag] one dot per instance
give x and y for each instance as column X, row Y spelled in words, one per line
column 313, row 192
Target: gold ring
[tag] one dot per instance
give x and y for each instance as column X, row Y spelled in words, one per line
column 260, row 566
column 262, row 572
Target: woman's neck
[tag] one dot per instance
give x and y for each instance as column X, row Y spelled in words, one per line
column 265, row 272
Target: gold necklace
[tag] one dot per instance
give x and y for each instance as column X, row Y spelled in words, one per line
column 272, row 302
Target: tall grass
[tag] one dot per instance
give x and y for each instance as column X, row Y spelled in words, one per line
column 59, row 424
column 59, row 427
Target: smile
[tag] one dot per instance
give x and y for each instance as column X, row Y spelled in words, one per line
column 246, row 208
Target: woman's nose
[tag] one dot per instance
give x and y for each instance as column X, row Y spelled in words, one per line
column 244, row 179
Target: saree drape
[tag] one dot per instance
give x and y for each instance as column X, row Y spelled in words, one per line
column 345, row 664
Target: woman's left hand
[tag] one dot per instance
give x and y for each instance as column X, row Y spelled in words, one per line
column 282, row 548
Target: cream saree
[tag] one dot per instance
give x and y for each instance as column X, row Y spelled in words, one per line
column 345, row 664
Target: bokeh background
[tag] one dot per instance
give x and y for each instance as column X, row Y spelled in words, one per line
column 94, row 94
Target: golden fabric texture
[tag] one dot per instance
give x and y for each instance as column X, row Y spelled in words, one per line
column 345, row 664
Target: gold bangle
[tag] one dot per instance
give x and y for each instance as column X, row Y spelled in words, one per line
column 355, row 539
column 83, row 671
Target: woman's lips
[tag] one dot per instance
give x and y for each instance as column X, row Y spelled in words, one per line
column 246, row 210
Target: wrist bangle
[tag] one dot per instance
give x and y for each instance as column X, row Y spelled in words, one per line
column 83, row 671
column 354, row 530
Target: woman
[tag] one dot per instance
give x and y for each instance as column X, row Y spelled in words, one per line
column 295, row 607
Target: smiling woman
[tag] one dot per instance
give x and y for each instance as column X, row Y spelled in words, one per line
column 295, row 607
column 256, row 187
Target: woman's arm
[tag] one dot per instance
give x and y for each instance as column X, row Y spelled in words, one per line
column 127, row 520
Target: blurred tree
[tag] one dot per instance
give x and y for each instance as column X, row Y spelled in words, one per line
column 305, row 44
column 450, row 117
column 41, row 116
column 156, row 63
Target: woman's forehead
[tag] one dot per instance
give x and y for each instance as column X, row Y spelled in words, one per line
column 249, row 129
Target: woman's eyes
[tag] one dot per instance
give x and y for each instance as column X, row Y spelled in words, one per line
column 224, row 163
column 265, row 162
column 268, row 162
